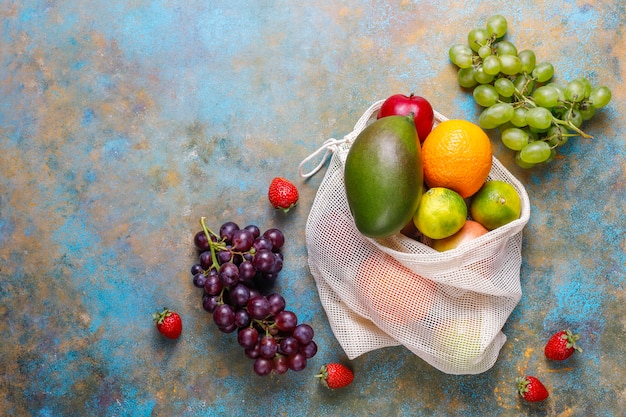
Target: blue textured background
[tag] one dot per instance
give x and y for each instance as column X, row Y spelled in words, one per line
column 122, row 123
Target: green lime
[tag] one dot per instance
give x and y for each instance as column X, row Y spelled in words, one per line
column 441, row 213
column 496, row 204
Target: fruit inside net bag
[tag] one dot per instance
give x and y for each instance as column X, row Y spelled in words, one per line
column 448, row 308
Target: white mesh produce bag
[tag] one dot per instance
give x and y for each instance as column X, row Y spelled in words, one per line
column 446, row 307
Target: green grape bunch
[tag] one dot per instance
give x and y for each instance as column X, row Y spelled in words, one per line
column 534, row 114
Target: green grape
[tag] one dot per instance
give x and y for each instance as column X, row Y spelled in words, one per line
column 575, row 117
column 510, row 64
column 497, row 26
column 465, row 77
column 504, row 87
column 587, row 85
column 575, row 91
column 557, row 136
column 546, row 96
column 551, row 157
column 485, row 95
column 600, row 96
column 521, row 163
column 482, row 77
column 506, row 99
column 543, row 72
column 528, row 59
column 484, row 51
column 496, row 115
column 524, row 84
column 476, row 38
column 486, row 121
column 539, row 118
column 535, row 152
column 514, row 138
column 461, row 55
column 519, row 117
column 532, row 136
column 491, row 65
column 559, row 89
column 506, row 48
column 537, row 130
column 587, row 110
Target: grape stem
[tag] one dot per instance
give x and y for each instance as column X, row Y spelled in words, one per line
column 208, row 232
column 571, row 125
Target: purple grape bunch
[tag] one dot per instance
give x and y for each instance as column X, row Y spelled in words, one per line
column 236, row 268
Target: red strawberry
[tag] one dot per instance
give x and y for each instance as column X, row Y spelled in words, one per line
column 562, row 345
column 282, row 194
column 169, row 323
column 335, row 375
column 531, row 389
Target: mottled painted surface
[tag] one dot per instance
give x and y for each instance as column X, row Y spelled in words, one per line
column 121, row 123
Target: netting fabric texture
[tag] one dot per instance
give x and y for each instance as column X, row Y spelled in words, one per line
column 448, row 308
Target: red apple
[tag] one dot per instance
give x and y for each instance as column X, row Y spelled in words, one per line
column 470, row 230
column 401, row 105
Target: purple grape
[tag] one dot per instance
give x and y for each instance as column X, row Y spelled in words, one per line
column 262, row 243
column 229, row 274
column 258, row 307
column 297, row 361
column 267, row 279
column 269, row 347
column 224, row 316
column 303, row 333
column 256, row 232
column 213, row 284
column 288, row 346
column 228, row 329
column 248, row 337
column 239, row 295
column 277, row 303
column 254, row 352
column 199, row 279
column 246, row 271
column 286, row 321
column 201, row 241
column 242, row 318
column 210, row 302
column 264, row 260
column 254, row 292
column 278, row 264
column 242, row 240
column 227, row 230
column 225, row 255
column 309, row 350
column 276, row 236
column 263, row 366
column 206, row 261
column 281, row 364
column 195, row 268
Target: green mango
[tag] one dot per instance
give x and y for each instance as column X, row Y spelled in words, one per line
column 383, row 176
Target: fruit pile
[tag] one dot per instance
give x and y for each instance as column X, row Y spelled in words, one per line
column 457, row 159
column 236, row 269
column 389, row 166
column 535, row 114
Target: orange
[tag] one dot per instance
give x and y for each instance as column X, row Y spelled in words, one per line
column 394, row 293
column 496, row 204
column 457, row 155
